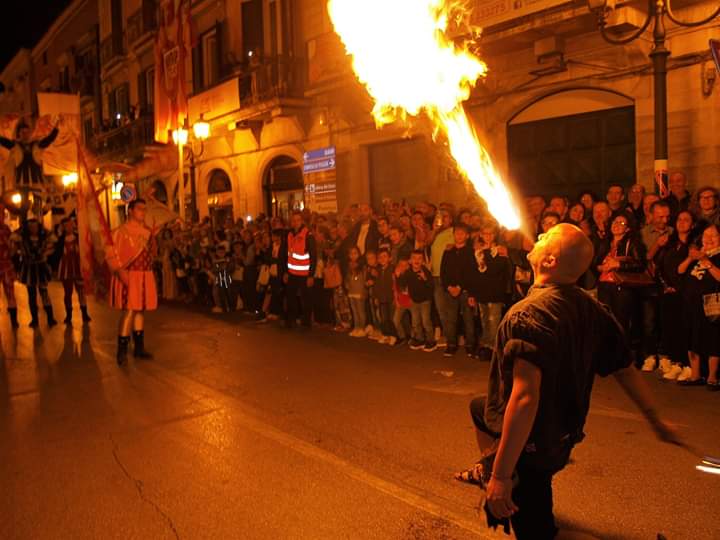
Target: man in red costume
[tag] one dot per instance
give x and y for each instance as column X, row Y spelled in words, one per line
column 7, row 270
column 133, row 288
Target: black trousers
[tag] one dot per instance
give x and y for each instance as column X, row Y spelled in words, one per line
column 675, row 320
column 533, row 493
column 625, row 305
column 299, row 300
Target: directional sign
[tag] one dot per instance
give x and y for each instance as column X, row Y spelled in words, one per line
column 319, row 160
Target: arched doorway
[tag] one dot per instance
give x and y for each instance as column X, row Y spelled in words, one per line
column 571, row 141
column 283, row 187
column 220, row 197
column 159, row 191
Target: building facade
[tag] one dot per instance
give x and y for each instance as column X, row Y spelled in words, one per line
column 561, row 110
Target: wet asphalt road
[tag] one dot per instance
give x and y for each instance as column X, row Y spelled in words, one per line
column 239, row 430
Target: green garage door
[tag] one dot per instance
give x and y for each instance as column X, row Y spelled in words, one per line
column 569, row 154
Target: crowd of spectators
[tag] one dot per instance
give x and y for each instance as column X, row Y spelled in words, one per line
column 436, row 276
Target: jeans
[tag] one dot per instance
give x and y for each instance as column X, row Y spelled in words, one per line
column 357, row 305
column 453, row 305
column 421, row 322
column 398, row 321
column 490, row 315
column 385, row 310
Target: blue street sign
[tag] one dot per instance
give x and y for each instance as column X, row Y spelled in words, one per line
column 319, row 154
column 319, row 160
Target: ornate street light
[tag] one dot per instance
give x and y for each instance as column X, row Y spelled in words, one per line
column 656, row 12
column 181, row 137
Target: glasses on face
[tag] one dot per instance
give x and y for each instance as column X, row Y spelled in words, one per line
column 622, row 223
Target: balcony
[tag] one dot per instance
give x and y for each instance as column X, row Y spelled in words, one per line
column 142, row 24
column 112, row 49
column 126, row 142
column 257, row 90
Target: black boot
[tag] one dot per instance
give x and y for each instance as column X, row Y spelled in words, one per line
column 140, row 352
column 68, row 313
column 50, row 319
column 122, row 351
column 85, row 317
column 34, row 322
column 13, row 317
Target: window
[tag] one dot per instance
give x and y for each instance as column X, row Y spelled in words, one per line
column 146, row 88
column 64, row 79
column 211, row 71
column 252, row 27
column 88, row 129
column 219, row 182
column 119, row 102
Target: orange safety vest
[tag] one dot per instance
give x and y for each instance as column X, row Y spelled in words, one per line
column 298, row 256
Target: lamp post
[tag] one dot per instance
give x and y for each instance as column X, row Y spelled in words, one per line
column 181, row 137
column 657, row 11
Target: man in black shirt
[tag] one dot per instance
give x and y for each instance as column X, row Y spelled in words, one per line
column 549, row 348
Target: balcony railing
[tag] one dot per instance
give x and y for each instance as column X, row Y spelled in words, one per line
column 126, row 141
column 112, row 47
column 141, row 23
column 262, row 79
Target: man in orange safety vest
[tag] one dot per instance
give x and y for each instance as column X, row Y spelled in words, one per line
column 298, row 271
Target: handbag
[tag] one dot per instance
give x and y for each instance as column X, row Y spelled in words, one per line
column 711, row 306
column 633, row 279
column 332, row 277
column 264, row 276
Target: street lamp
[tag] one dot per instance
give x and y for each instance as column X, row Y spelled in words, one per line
column 181, row 137
column 657, row 10
column 70, row 180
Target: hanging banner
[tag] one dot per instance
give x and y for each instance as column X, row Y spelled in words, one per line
column 60, row 157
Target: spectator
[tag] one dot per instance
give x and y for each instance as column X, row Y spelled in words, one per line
column 616, row 198
column 382, row 297
column 456, row 280
column 298, row 268
column 274, row 262
column 238, row 258
column 620, row 253
column 559, row 205
column 383, row 233
column 356, row 291
column 169, row 281
column 702, row 271
column 635, row 203
column 655, row 235
column 706, row 207
column 648, row 201
column 549, row 220
column 576, row 214
column 492, row 286
column 372, row 271
column 442, row 239
column 679, row 196
column 400, row 247
column 674, row 305
column 220, row 275
column 403, row 302
column 365, row 234
column 417, row 280
column 588, row 198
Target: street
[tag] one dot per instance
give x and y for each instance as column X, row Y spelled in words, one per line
column 240, row 430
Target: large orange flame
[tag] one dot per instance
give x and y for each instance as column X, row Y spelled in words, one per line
column 407, row 63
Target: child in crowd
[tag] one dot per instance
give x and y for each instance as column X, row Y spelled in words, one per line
column 273, row 305
column 381, row 297
column 220, row 274
column 403, row 302
column 237, row 274
column 371, row 272
column 419, row 284
column 356, row 291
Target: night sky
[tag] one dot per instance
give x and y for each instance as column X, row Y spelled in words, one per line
column 24, row 22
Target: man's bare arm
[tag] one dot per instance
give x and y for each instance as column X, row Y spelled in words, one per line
column 520, row 415
column 639, row 392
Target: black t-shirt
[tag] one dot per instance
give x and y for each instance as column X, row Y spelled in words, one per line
column 571, row 337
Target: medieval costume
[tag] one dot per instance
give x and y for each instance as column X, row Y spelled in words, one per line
column 7, row 269
column 69, row 273
column 27, row 154
column 133, row 289
column 36, row 244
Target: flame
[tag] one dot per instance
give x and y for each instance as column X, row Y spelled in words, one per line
column 409, row 66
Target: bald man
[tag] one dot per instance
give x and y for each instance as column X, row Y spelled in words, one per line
column 549, row 348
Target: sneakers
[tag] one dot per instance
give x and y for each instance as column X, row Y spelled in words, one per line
column 397, row 342
column 369, row 330
column 673, row 372
column 430, row 346
column 416, row 345
column 450, row 351
column 649, row 364
column 471, row 352
column 382, row 340
column 376, row 335
column 665, row 364
column 358, row 333
column 442, row 342
column 685, row 374
column 217, row 309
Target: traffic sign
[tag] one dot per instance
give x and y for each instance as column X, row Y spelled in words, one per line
column 322, row 159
